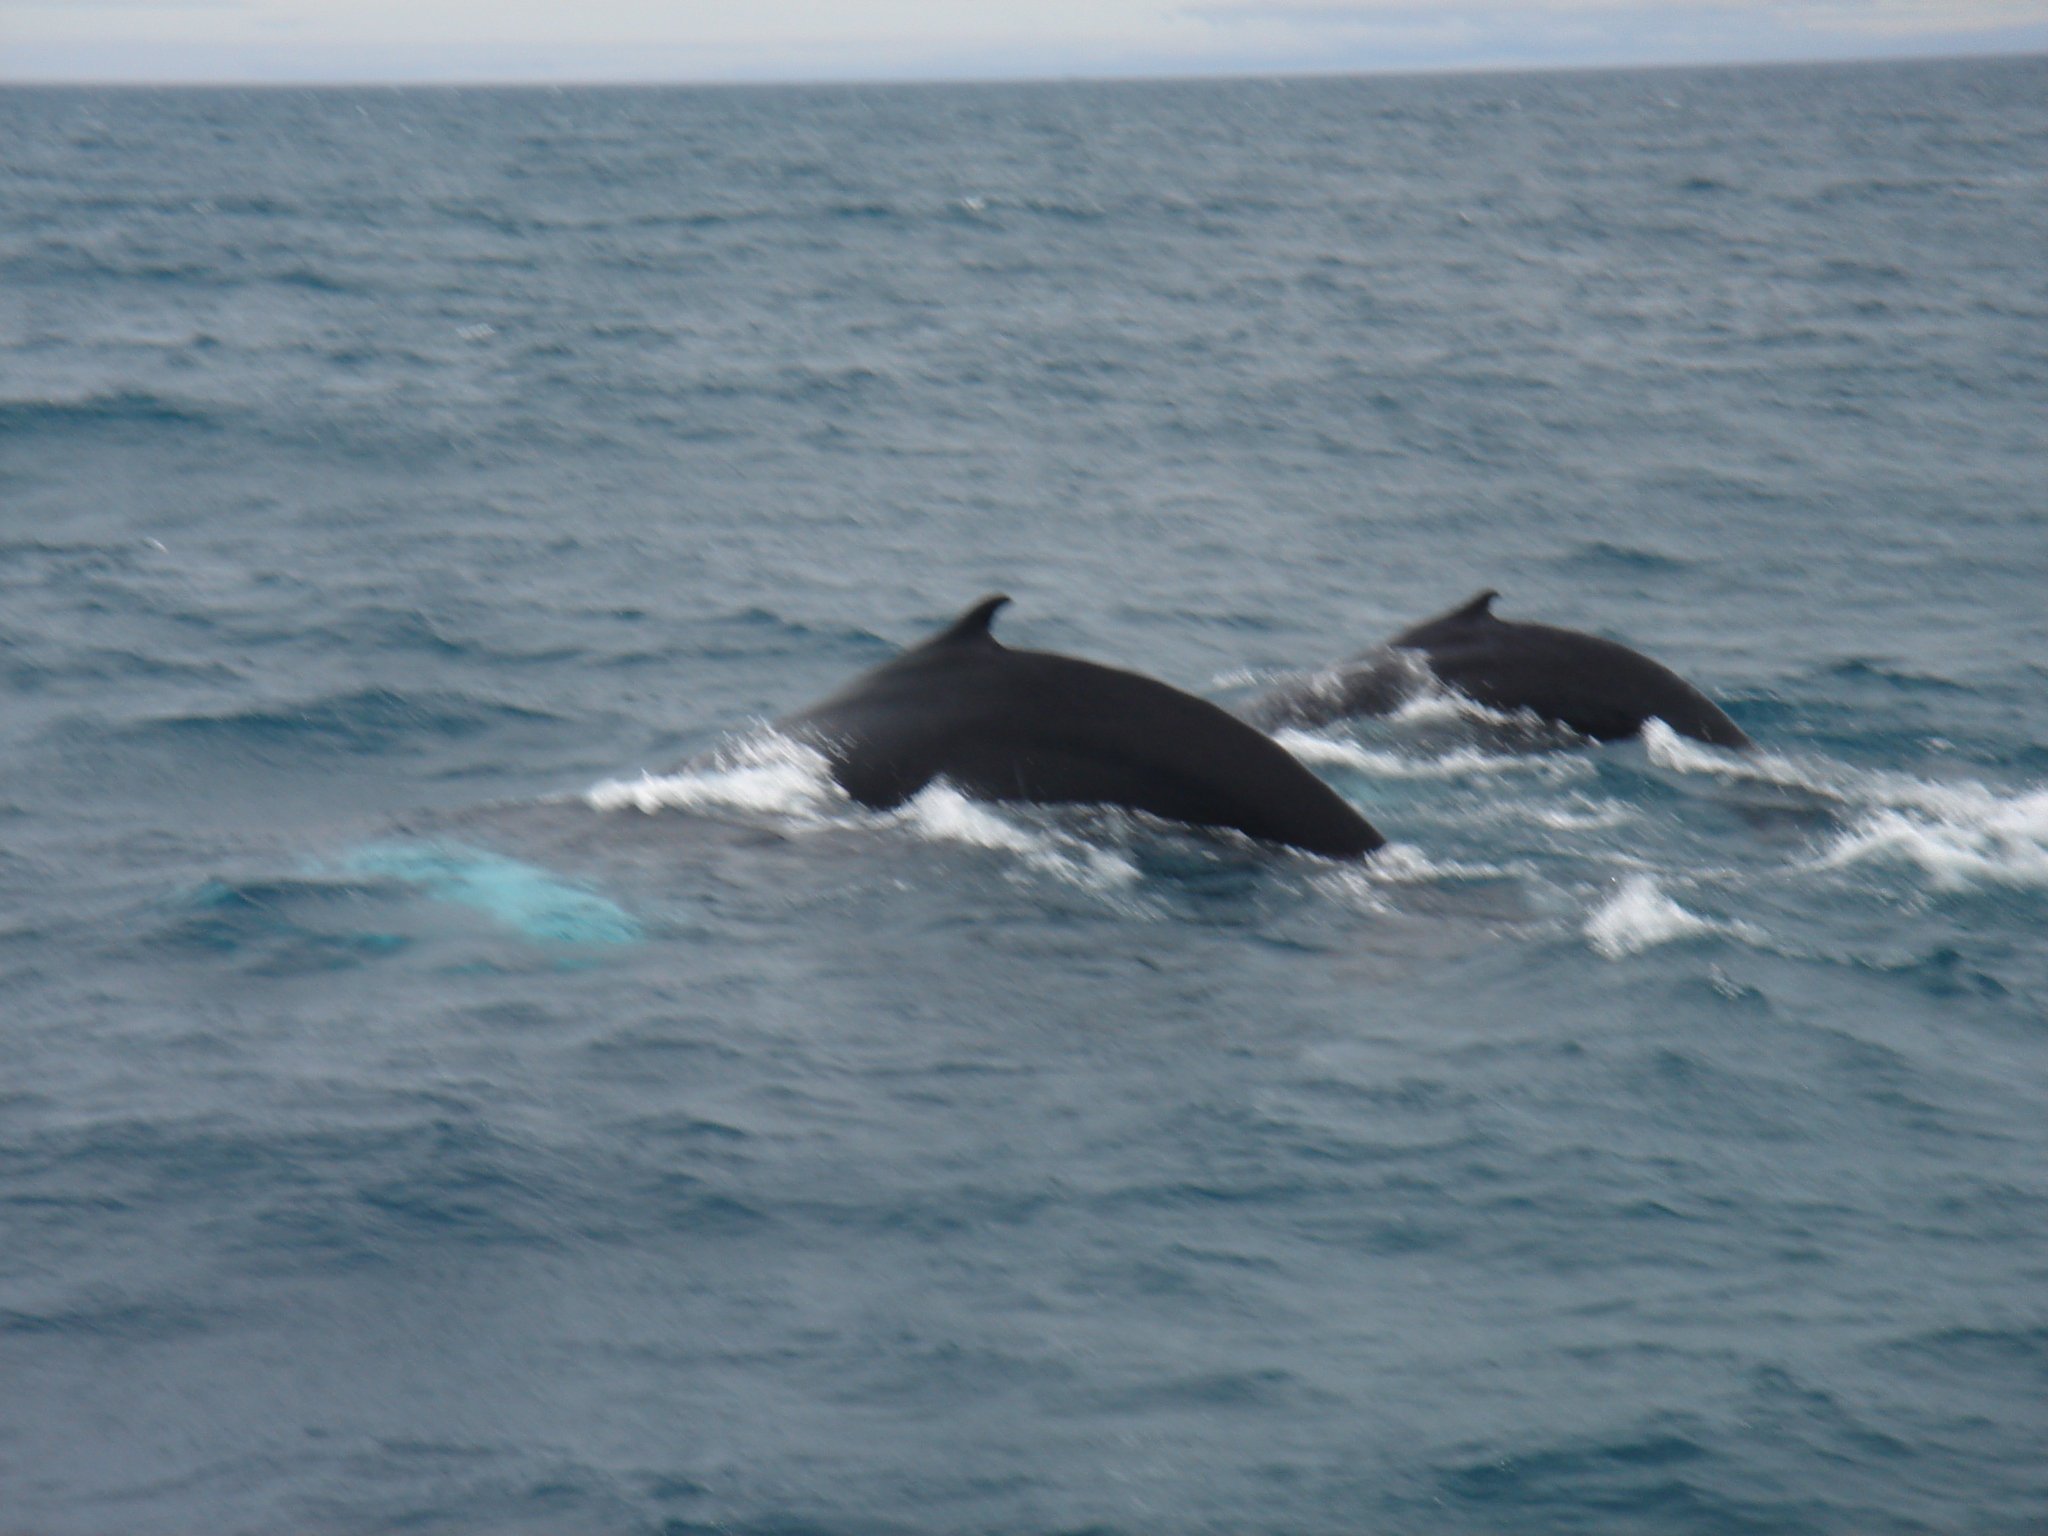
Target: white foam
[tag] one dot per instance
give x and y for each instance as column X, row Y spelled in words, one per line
column 1668, row 749
column 1460, row 762
column 940, row 813
column 1369, row 885
column 765, row 773
column 1640, row 916
column 1589, row 816
column 1405, row 864
column 1833, row 781
column 770, row 774
column 1243, row 677
column 1440, row 704
column 1963, row 836
column 1958, row 834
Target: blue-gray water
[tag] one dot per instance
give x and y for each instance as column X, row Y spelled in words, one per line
column 401, row 1130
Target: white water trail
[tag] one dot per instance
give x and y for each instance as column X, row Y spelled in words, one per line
column 1459, row 762
column 940, row 813
column 1959, row 834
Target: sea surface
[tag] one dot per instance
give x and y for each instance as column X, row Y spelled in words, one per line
column 463, row 1075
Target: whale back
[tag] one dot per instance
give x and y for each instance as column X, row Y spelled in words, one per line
column 1600, row 688
column 1034, row 726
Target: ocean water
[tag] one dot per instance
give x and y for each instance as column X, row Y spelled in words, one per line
column 463, row 1076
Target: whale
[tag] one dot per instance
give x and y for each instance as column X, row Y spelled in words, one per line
column 1596, row 687
column 1011, row 725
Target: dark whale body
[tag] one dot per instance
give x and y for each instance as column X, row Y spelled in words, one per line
column 1028, row 725
column 1597, row 687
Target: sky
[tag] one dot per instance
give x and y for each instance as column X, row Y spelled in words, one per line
column 348, row 41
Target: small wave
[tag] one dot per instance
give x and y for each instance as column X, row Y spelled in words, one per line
column 1439, row 712
column 1460, row 762
column 1640, row 916
column 1583, row 816
column 982, row 207
column 1401, row 874
column 1405, row 864
column 1897, row 679
column 1600, row 555
column 105, row 1318
column 95, row 666
column 284, row 926
column 701, row 217
column 125, row 407
column 375, row 720
column 862, row 208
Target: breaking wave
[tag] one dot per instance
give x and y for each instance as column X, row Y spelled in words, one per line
column 1640, row 916
column 1958, row 834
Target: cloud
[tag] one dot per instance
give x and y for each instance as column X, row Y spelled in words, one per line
column 1874, row 18
column 1407, row 34
column 714, row 40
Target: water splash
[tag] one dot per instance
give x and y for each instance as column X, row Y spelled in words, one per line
column 1640, row 916
column 766, row 773
column 770, row 774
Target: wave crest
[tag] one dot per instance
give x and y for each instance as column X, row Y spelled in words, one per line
column 1640, row 916
column 1958, row 834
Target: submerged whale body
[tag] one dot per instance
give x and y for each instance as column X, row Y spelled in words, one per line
column 1028, row 725
column 1596, row 687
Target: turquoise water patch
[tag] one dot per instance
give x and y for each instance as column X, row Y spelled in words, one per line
column 529, row 900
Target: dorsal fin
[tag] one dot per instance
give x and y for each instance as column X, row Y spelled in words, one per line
column 1478, row 608
column 972, row 626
